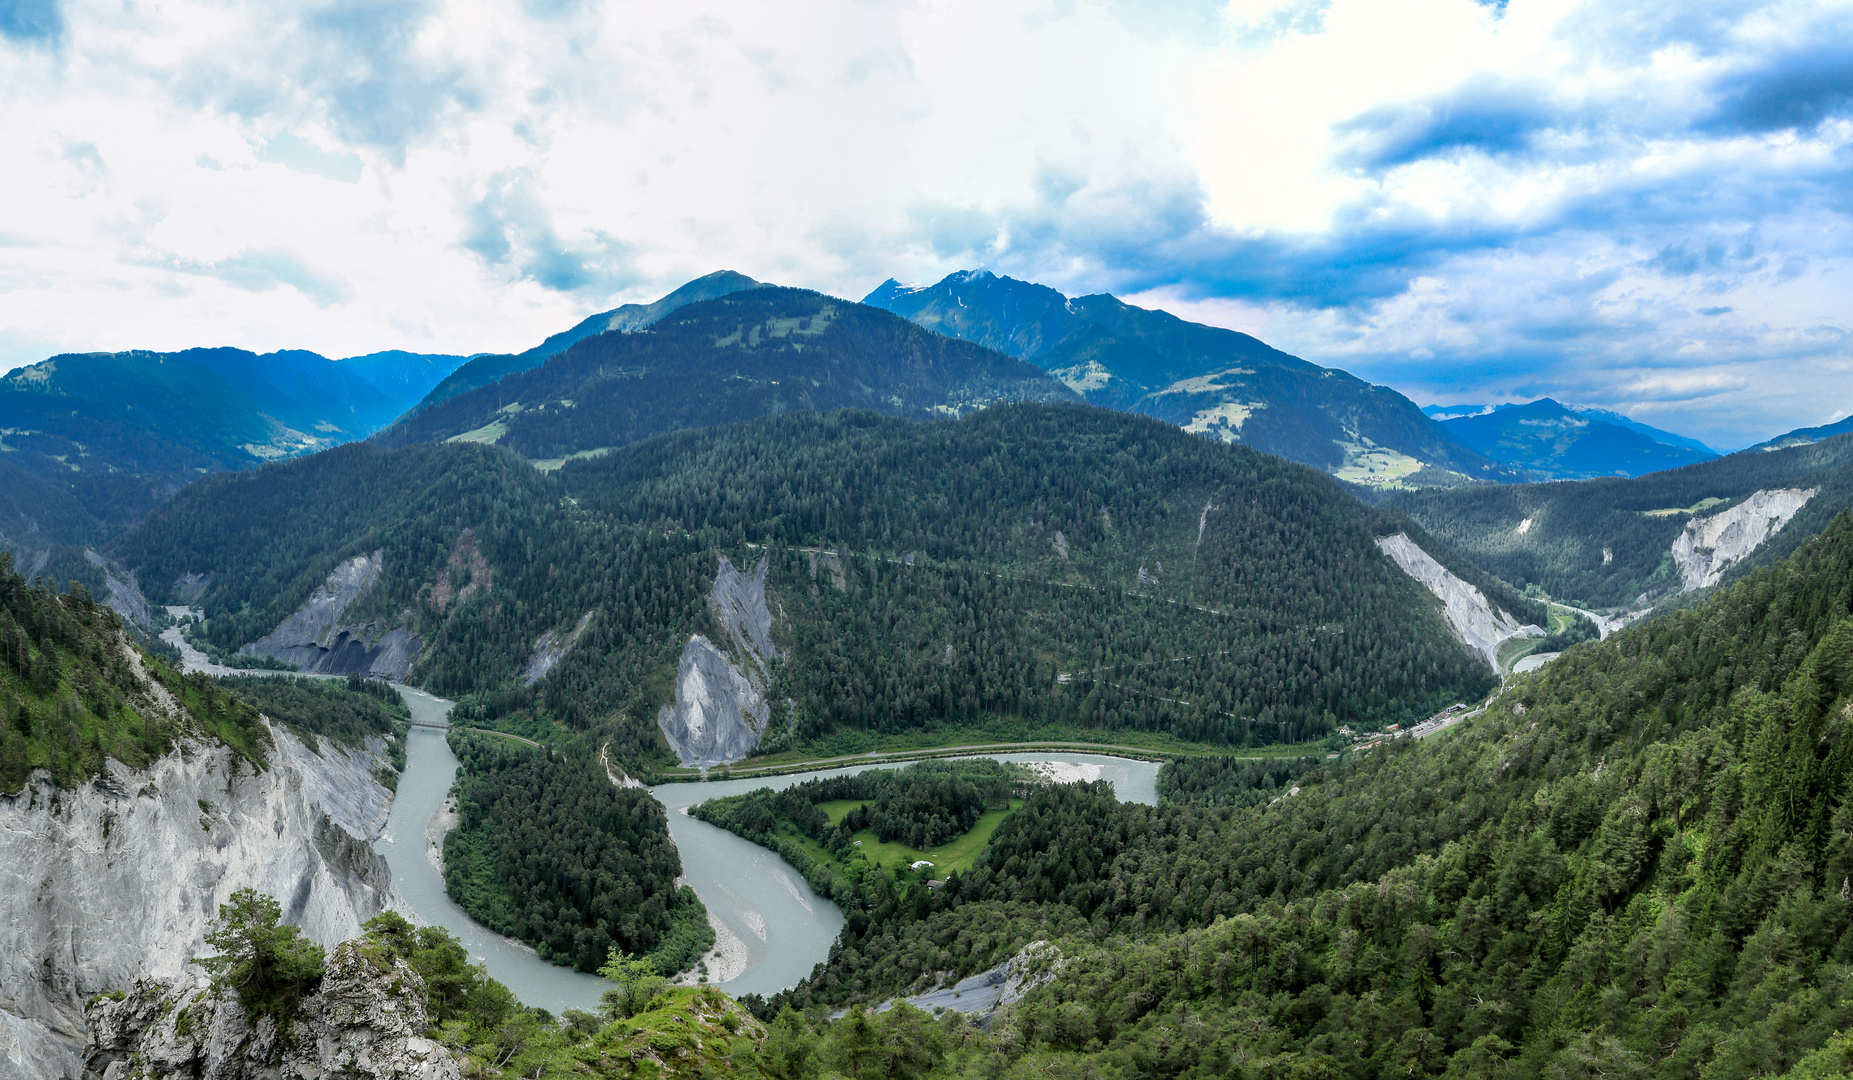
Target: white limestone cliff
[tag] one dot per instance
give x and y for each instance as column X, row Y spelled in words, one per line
column 315, row 638
column 1711, row 545
column 1475, row 621
column 118, row 879
column 367, row 1019
column 720, row 709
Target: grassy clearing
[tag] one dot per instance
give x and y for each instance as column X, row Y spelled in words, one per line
column 838, row 809
column 1674, row 511
column 953, row 856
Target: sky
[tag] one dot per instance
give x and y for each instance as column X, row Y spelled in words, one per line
column 1643, row 206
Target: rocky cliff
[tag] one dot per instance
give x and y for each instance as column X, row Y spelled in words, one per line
column 551, row 648
column 315, row 638
column 367, row 1019
column 1475, row 621
column 1710, row 545
column 117, row 880
column 720, row 708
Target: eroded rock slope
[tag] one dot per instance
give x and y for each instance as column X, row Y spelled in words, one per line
column 720, row 709
column 315, row 638
column 368, row 1019
column 1475, row 621
column 1711, row 545
column 117, row 880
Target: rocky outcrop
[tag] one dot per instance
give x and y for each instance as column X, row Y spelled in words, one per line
column 367, row 1019
column 315, row 639
column 549, row 649
column 983, row 995
column 1475, row 621
column 720, row 709
column 125, row 597
column 1711, row 545
column 117, row 880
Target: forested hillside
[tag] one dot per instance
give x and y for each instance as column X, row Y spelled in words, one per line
column 756, row 352
column 1633, row 864
column 917, row 807
column 74, row 691
column 485, row 369
column 362, row 713
column 1030, row 570
column 1604, row 542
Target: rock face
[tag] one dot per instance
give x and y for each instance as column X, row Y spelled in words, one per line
column 1710, row 545
column 720, row 708
column 118, row 880
column 315, row 639
column 1475, row 621
column 982, row 995
column 125, row 597
column 367, row 1019
column 551, row 648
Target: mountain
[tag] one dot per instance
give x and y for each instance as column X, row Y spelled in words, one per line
column 1450, row 412
column 1022, row 569
column 106, row 436
column 403, row 376
column 1552, row 441
column 1205, row 379
column 1624, row 542
column 485, row 369
column 1804, row 436
column 751, row 353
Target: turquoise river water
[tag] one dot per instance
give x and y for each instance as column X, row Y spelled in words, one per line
column 773, row 927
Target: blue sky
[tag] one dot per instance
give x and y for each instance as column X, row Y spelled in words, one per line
column 1639, row 206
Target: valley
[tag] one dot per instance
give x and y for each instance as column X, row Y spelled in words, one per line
column 784, row 658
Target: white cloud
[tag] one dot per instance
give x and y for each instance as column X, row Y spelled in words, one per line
column 1456, row 198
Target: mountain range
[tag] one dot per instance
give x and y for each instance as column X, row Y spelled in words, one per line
column 756, row 351
column 1210, row 381
column 770, row 529
column 1617, row 541
column 1548, row 440
column 91, row 441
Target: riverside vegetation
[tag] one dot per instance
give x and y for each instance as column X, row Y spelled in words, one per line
column 548, row 850
column 921, row 806
column 1633, row 865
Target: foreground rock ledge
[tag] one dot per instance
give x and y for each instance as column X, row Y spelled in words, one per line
column 368, row 1019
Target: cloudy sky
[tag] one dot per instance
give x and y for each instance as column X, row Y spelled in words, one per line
column 1643, row 205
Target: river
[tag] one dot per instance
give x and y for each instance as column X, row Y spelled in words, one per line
column 772, row 925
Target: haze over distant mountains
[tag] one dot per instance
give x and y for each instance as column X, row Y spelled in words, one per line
column 1552, row 441
column 92, row 440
